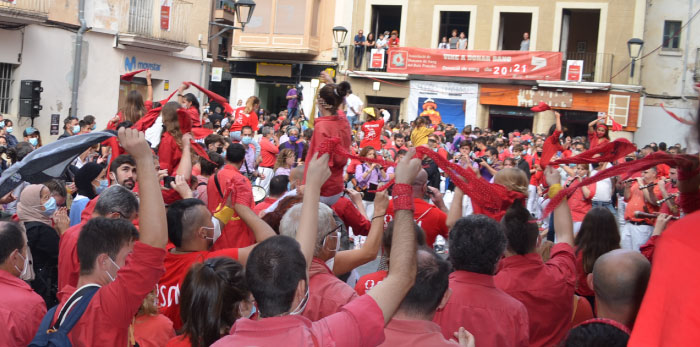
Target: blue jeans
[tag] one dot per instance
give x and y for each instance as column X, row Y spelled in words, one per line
column 292, row 113
column 605, row 204
column 352, row 120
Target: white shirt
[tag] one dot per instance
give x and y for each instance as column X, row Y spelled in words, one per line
column 603, row 189
column 353, row 102
column 381, row 43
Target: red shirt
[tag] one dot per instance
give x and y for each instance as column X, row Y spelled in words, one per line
column 176, row 268
column 68, row 263
column 648, row 248
column 111, row 311
column 372, row 132
column 669, row 311
column 492, row 316
column 670, row 189
column 368, row 281
column 353, row 166
column 179, row 341
column 21, row 310
column 263, row 205
column 546, row 290
column 269, row 152
column 594, row 140
column 358, row 324
column 236, row 233
column 241, row 119
column 351, row 216
column 503, row 155
column 169, row 153
column 327, row 294
column 400, row 332
column 427, row 216
column 194, row 115
column 579, row 204
column 326, row 128
column 153, row 331
column 636, row 202
column 582, row 277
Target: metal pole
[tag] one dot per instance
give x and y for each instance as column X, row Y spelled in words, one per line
column 77, row 61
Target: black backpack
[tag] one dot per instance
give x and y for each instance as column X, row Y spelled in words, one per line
column 57, row 335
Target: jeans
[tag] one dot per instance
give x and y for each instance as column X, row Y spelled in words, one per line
column 605, row 204
column 359, row 54
column 292, row 113
column 352, row 120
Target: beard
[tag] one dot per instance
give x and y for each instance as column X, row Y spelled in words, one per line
column 129, row 183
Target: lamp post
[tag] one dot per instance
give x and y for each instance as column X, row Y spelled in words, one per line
column 244, row 11
column 339, row 35
column 634, row 47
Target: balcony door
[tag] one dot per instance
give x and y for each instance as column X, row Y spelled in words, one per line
column 385, row 18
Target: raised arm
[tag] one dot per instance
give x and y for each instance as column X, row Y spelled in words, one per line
column 402, row 270
column 591, row 125
column 184, row 169
column 261, row 230
column 455, row 212
column 150, row 85
column 563, row 225
column 153, row 226
column 316, row 175
column 557, row 118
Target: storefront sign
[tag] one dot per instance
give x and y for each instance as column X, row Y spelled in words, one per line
column 574, row 70
column 521, row 65
column 132, row 64
column 530, row 98
column 280, row 70
column 377, row 59
column 216, row 73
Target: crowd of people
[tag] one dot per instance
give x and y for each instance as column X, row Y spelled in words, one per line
column 237, row 227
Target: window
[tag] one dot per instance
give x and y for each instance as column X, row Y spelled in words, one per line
column 451, row 20
column 385, row 18
column 5, row 84
column 514, row 26
column 223, row 48
column 618, row 108
column 141, row 17
column 672, row 34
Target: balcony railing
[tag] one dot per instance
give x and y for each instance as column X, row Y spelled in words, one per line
column 597, row 67
column 24, row 10
column 150, row 22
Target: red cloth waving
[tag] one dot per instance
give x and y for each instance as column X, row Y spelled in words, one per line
column 213, row 96
column 326, row 128
column 550, row 148
column 130, row 75
column 607, row 152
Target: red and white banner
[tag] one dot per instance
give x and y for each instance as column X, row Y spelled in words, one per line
column 376, row 59
column 165, row 12
column 520, row 65
column 574, row 70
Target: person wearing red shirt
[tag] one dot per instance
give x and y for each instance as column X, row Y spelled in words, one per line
column 668, row 190
column 277, row 276
column 172, row 142
column 581, row 201
column 637, row 231
column 428, row 216
column 114, row 202
column 372, row 128
column 247, row 115
column 545, row 288
column 393, row 39
column 21, row 309
column 236, row 234
column 620, row 278
column 412, row 325
column 597, row 132
column 398, row 144
column 494, row 317
column 278, row 186
column 191, row 105
column 268, row 153
column 193, row 231
column 123, row 271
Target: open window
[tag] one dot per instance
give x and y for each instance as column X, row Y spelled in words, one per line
column 385, row 18
column 579, row 38
column 454, row 20
column 512, row 29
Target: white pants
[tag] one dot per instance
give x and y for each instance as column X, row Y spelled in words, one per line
column 532, row 199
column 633, row 236
column 369, row 208
column 265, row 183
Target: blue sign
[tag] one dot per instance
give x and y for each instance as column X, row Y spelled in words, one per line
column 132, row 64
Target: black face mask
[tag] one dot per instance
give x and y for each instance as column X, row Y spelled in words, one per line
column 220, row 150
column 539, row 153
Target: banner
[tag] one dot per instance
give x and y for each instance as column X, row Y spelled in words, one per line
column 574, row 70
column 165, row 12
column 376, row 59
column 519, row 65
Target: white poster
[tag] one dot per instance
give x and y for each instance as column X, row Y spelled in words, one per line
column 216, row 73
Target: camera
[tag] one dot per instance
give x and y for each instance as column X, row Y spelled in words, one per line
column 480, row 159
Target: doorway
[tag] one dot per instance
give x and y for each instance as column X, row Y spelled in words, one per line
column 513, row 26
column 510, row 118
column 576, row 122
column 273, row 96
column 125, row 87
column 579, row 39
column 393, row 105
column 385, row 18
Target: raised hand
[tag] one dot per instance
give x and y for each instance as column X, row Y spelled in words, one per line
column 135, row 143
column 407, row 168
column 552, row 176
column 318, row 171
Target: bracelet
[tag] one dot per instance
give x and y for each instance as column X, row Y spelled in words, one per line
column 554, row 190
column 403, row 197
column 375, row 217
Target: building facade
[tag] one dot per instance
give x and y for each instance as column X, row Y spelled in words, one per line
column 38, row 43
column 670, row 69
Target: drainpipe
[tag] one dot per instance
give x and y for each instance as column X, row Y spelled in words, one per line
column 686, row 52
column 78, row 58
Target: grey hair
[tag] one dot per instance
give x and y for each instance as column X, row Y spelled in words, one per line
column 266, row 130
column 117, row 199
column 290, row 223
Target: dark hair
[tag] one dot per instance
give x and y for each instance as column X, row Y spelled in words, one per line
column 476, row 244
column 598, row 235
column 213, row 138
column 388, row 235
column 210, row 297
column 208, row 168
column 84, row 177
column 399, row 136
column 182, row 218
column 20, row 151
column 333, row 95
column 492, row 150
column 432, row 280
column 57, row 186
column 235, row 153
column 121, row 160
column 89, row 119
column 596, row 334
column 518, row 148
column 193, row 99
column 10, row 239
column 273, row 271
column 134, row 108
column 117, row 199
column 520, row 230
column 68, row 120
column 278, row 185
column 247, row 127
column 103, row 235
column 274, row 218
column 365, row 151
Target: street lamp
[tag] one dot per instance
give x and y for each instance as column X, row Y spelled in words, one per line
column 244, row 11
column 339, row 34
column 634, row 46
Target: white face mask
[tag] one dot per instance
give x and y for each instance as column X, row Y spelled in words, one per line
column 302, row 305
column 110, row 275
column 25, row 267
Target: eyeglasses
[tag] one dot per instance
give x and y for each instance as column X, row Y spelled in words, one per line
column 334, row 235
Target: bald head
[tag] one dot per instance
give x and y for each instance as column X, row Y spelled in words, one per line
column 296, row 176
column 419, row 184
column 620, row 279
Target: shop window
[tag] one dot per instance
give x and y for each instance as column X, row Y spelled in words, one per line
column 453, row 20
column 5, row 83
column 672, row 35
column 618, row 108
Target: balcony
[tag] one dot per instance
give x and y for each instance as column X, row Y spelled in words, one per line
column 597, row 67
column 154, row 27
column 24, row 11
column 224, row 11
column 285, row 26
